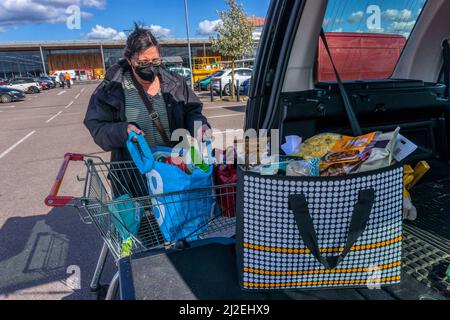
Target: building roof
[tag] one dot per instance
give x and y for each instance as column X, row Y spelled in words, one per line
column 87, row 44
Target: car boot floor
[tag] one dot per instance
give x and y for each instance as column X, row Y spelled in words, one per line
column 432, row 200
column 427, row 240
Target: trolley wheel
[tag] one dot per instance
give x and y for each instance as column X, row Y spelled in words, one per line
column 182, row 245
column 101, row 292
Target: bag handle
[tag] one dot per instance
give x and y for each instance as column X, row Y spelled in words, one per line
column 358, row 224
column 154, row 116
column 140, row 152
column 356, row 128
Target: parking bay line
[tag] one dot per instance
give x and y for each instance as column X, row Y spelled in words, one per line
column 62, row 92
column 48, row 121
column 16, row 144
column 77, row 96
column 68, row 106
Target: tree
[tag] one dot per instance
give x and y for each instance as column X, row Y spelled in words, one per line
column 235, row 35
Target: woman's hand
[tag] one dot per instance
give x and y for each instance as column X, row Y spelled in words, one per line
column 132, row 128
column 204, row 132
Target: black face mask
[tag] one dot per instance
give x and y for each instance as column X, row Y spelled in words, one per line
column 148, row 72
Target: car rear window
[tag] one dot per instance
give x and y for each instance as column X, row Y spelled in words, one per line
column 218, row 74
column 366, row 38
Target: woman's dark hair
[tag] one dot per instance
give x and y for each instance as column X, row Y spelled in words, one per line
column 140, row 39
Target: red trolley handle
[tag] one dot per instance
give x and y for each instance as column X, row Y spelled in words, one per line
column 53, row 200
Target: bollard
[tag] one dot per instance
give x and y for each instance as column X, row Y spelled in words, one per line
column 220, row 89
column 238, row 93
column 211, row 89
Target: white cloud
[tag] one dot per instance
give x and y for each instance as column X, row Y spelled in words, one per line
column 355, row 17
column 159, row 31
column 207, row 27
column 99, row 4
column 102, row 33
column 402, row 26
column 397, row 15
column 331, row 21
column 380, row 30
column 14, row 12
column 2, row 30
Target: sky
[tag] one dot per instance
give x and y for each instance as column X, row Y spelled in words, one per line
column 374, row 16
column 39, row 20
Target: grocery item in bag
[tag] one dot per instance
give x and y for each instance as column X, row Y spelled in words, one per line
column 382, row 152
column 292, row 146
column 347, row 155
column 226, row 174
column 303, row 168
column 318, row 146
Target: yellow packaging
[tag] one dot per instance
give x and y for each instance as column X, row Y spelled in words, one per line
column 419, row 171
column 318, row 146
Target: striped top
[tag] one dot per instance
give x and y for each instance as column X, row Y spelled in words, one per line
column 136, row 111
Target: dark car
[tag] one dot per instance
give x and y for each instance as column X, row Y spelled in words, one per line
column 245, row 86
column 289, row 94
column 8, row 95
column 51, row 82
column 46, row 85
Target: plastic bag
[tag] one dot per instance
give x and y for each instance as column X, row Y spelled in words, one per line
column 304, row 168
column 382, row 153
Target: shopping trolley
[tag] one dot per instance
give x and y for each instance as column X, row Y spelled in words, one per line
column 104, row 182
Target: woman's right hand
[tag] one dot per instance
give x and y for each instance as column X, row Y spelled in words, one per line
column 133, row 128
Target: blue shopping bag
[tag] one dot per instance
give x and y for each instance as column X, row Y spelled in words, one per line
column 182, row 203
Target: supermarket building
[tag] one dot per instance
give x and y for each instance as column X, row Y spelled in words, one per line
column 88, row 58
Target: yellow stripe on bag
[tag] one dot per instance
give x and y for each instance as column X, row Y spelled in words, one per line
column 312, row 272
column 323, row 250
column 317, row 283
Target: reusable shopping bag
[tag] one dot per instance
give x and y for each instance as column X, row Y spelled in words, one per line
column 320, row 232
column 127, row 216
column 182, row 203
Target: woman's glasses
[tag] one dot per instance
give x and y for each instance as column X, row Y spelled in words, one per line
column 145, row 63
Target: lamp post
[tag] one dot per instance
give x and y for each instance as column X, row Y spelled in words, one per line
column 189, row 41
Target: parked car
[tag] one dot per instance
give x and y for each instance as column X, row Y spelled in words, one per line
column 4, row 82
column 245, row 86
column 8, row 94
column 205, row 83
column 240, row 74
column 26, row 85
column 56, row 74
column 49, row 80
column 286, row 94
column 185, row 72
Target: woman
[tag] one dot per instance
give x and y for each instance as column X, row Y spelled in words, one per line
column 139, row 95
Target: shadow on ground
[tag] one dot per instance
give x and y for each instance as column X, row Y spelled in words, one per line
column 49, row 249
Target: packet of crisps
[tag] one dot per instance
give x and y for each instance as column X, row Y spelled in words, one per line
column 347, row 155
column 353, row 144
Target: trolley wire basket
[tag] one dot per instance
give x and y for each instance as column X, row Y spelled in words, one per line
column 114, row 190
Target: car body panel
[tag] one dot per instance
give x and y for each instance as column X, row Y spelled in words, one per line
column 240, row 74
